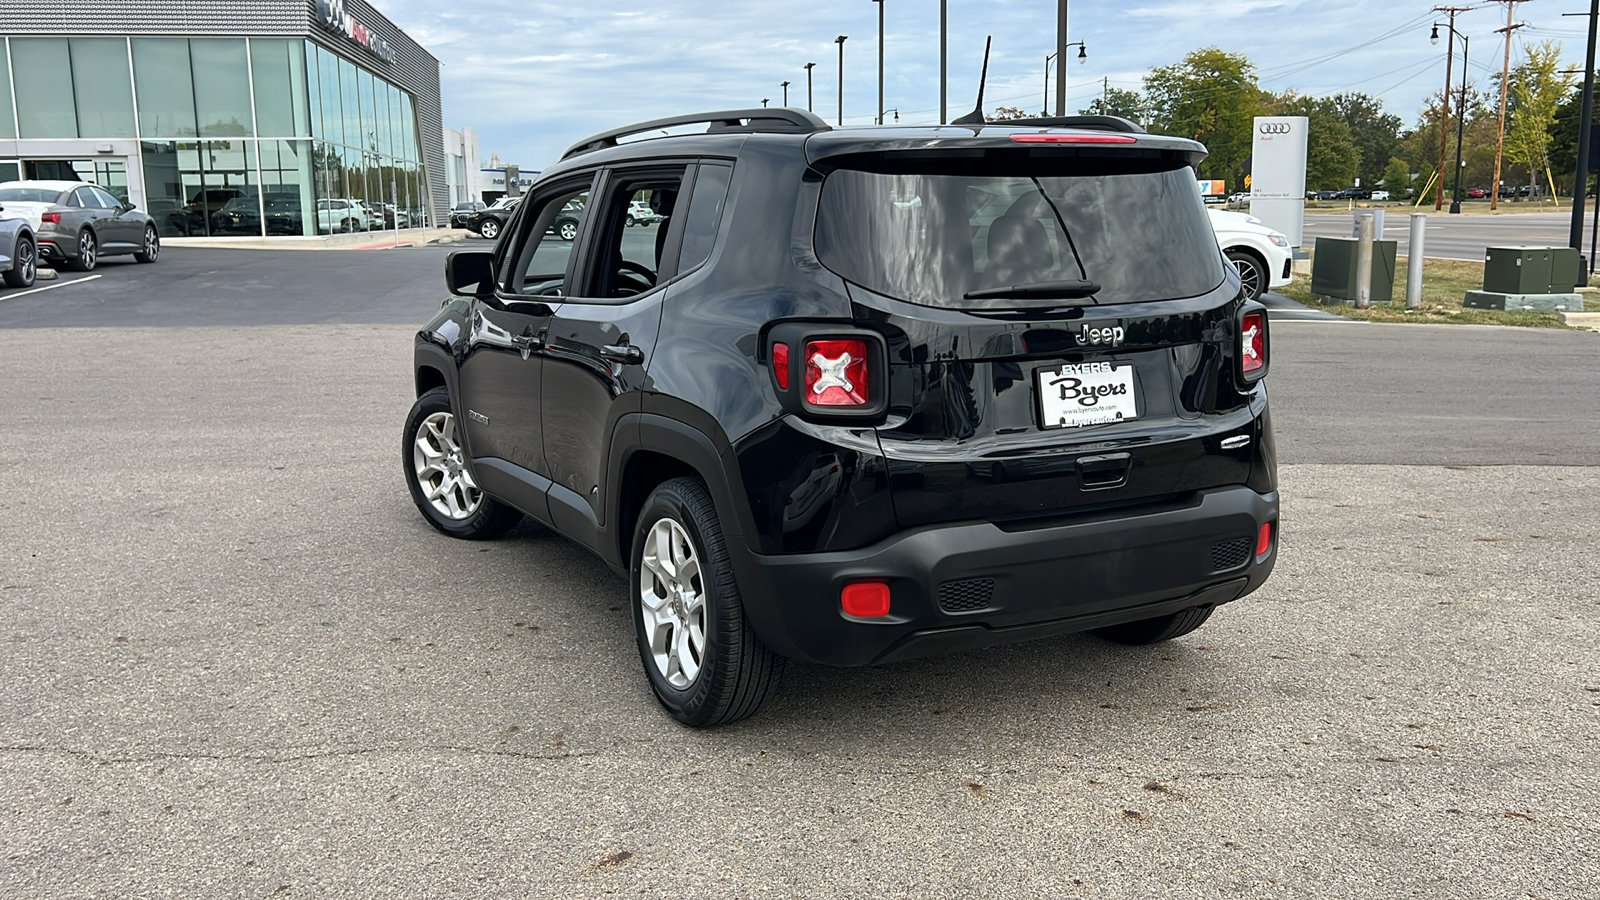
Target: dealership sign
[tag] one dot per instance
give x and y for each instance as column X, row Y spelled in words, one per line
column 1278, row 173
column 332, row 16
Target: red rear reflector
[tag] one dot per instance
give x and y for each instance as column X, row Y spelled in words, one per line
column 53, row 218
column 780, row 365
column 836, row 373
column 1073, row 139
column 1253, row 342
column 1264, row 540
column 865, row 599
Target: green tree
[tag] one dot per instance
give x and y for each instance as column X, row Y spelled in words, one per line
column 1332, row 159
column 1118, row 102
column 1396, row 177
column 1538, row 85
column 1211, row 96
column 1376, row 133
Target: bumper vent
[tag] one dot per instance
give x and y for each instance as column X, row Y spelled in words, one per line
column 968, row 596
column 1227, row 555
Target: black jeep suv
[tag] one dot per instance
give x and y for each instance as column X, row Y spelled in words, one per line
column 865, row 395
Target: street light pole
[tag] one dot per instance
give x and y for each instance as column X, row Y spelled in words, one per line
column 1461, row 124
column 840, row 41
column 1061, row 59
column 1444, row 99
column 786, row 93
column 944, row 61
column 880, row 59
column 1585, row 118
column 809, row 67
column 1047, row 84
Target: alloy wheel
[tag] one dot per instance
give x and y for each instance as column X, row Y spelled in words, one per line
column 88, row 250
column 152, row 244
column 27, row 262
column 490, row 229
column 569, row 231
column 1249, row 276
column 440, row 466
column 672, row 599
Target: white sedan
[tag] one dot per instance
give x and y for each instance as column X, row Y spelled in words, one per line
column 1261, row 255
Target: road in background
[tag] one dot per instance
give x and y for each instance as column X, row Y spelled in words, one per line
column 1454, row 237
column 238, row 662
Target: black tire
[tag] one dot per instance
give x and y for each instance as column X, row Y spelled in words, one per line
column 737, row 673
column 490, row 519
column 1158, row 629
column 1253, row 274
column 152, row 246
column 490, row 228
column 88, row 252
column 630, row 223
column 567, row 229
column 24, row 264
column 348, row 226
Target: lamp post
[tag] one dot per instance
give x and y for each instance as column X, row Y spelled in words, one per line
column 1047, row 60
column 1585, row 117
column 765, row 101
column 786, row 93
column 880, row 60
column 1461, row 111
column 896, row 112
column 809, row 67
column 1061, row 59
column 840, row 41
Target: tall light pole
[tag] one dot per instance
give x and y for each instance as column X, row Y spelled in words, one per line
column 880, row 59
column 1047, row 60
column 1461, row 116
column 786, row 93
column 1444, row 113
column 1061, row 60
column 809, row 67
column 1585, row 119
column 944, row 62
column 840, row 41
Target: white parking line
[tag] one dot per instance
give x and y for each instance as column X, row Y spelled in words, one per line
column 49, row 287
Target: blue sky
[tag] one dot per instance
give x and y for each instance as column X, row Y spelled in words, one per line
column 534, row 76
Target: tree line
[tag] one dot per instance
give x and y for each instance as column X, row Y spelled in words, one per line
column 1212, row 96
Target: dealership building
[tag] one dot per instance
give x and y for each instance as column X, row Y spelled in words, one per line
column 227, row 117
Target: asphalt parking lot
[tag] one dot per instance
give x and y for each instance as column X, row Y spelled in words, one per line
column 238, row 664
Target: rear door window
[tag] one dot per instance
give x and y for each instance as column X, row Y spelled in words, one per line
column 929, row 231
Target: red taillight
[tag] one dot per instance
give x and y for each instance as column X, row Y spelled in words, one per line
column 1253, row 342
column 52, row 218
column 1264, row 540
column 1073, row 139
column 865, row 599
column 780, row 365
column 836, row 373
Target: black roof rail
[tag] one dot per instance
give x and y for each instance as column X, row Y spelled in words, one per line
column 777, row 120
column 1092, row 123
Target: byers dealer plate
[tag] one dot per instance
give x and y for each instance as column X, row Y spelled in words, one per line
column 1087, row 394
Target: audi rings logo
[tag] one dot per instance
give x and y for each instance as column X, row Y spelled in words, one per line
column 1274, row 128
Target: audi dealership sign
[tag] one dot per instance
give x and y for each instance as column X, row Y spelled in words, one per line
column 1278, row 173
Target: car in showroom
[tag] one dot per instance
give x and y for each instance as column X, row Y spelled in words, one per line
column 1263, row 256
column 341, row 215
column 464, row 211
column 192, row 218
column 76, row 224
column 19, row 249
column 810, row 419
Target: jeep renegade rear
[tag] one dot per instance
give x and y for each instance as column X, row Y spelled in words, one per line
column 864, row 395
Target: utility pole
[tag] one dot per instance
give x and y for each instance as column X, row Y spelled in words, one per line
column 840, row 41
column 880, row 59
column 1585, row 119
column 786, row 93
column 1444, row 112
column 1061, row 59
column 1505, row 74
column 809, row 67
column 944, row 62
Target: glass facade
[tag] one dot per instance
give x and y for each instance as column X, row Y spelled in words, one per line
column 236, row 136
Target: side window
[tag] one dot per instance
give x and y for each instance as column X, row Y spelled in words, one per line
column 76, row 199
column 106, row 199
column 626, row 259
column 552, row 226
column 705, row 212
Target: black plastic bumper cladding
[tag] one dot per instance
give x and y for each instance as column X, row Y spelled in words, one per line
column 1091, row 571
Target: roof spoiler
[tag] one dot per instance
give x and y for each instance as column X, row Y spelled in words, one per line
column 1089, row 123
column 779, row 120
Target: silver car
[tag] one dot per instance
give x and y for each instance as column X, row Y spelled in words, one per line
column 19, row 251
column 78, row 223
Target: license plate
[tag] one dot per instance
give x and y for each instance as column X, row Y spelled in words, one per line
column 1087, row 394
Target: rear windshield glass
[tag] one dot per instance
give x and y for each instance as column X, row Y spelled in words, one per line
column 29, row 195
column 930, row 232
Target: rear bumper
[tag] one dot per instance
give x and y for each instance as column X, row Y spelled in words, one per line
column 51, row 248
column 1085, row 573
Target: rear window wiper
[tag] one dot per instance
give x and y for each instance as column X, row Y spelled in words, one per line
column 1060, row 290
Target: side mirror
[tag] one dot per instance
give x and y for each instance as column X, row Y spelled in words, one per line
column 470, row 273
column 129, row 206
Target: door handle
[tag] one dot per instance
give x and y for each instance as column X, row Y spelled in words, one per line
column 527, row 343
column 627, row 354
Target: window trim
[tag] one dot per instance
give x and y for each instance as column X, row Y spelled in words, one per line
column 611, row 177
column 519, row 229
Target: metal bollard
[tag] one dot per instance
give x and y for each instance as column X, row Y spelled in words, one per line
column 1419, row 224
column 1364, row 263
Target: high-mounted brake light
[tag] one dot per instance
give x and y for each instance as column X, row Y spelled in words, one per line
column 780, row 365
column 1073, row 139
column 836, row 373
column 1253, row 342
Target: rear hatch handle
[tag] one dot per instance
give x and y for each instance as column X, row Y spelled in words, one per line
column 1099, row 473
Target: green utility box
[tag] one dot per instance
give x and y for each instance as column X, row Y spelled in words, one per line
column 1333, row 269
column 1566, row 270
column 1519, row 270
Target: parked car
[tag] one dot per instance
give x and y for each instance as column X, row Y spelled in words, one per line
column 1262, row 256
column 1239, row 200
column 241, row 215
column 284, row 213
column 19, row 249
column 342, row 215
column 76, row 224
column 464, row 211
column 640, row 213
column 1476, row 193
column 191, row 219
column 813, row 421
column 1380, row 195
column 566, row 222
column 1328, row 195
column 489, row 221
